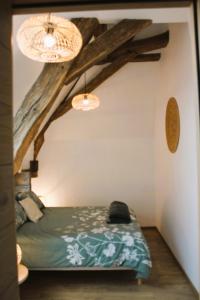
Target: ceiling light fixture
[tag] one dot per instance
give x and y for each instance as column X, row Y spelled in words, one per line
column 85, row 101
column 48, row 38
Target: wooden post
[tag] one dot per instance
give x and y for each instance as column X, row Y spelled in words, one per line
column 8, row 264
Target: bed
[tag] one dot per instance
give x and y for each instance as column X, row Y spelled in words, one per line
column 78, row 238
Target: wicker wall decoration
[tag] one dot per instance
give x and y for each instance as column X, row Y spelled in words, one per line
column 172, row 125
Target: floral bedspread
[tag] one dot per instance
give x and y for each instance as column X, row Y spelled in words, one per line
column 80, row 237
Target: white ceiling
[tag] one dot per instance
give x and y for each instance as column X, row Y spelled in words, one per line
column 159, row 17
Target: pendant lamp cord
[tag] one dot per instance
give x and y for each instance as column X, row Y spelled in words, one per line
column 70, row 90
column 85, row 81
column 48, row 17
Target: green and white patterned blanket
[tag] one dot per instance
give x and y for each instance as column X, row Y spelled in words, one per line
column 79, row 237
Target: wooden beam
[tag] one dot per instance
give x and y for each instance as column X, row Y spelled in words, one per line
column 87, row 27
column 146, row 57
column 43, row 94
column 41, row 97
column 101, row 28
column 65, row 106
column 139, row 58
column 105, row 44
column 152, row 43
column 140, row 46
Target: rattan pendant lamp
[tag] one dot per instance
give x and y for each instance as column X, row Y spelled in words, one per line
column 48, row 38
column 86, row 101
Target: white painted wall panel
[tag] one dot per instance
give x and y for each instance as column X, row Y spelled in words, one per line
column 177, row 175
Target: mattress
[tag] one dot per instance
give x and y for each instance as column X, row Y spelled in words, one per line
column 79, row 237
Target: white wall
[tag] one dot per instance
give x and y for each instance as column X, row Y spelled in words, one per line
column 93, row 158
column 177, row 194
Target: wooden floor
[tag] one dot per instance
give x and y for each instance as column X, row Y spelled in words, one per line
column 167, row 281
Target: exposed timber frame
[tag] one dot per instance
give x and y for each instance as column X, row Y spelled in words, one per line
column 114, row 46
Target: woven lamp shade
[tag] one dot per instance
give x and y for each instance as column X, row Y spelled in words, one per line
column 48, row 38
column 19, row 254
column 85, row 102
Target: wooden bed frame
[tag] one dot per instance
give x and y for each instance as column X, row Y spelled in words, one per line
column 139, row 280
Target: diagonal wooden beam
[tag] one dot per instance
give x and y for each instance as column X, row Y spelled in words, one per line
column 141, row 46
column 146, row 57
column 44, row 92
column 104, row 45
column 42, row 95
column 65, row 106
column 138, row 58
column 152, row 43
column 101, row 28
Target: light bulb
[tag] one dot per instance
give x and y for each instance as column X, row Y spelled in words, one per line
column 49, row 40
column 85, row 101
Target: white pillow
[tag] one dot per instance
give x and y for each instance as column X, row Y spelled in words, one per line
column 31, row 209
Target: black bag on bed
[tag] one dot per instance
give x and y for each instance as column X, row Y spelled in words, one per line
column 118, row 213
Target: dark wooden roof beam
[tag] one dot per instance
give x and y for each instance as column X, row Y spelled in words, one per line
column 139, row 58
column 104, row 45
column 141, row 46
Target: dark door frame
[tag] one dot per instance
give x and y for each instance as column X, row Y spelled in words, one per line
column 8, row 265
column 31, row 6
column 36, row 6
column 196, row 13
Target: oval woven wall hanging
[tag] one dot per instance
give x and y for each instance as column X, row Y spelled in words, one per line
column 172, row 125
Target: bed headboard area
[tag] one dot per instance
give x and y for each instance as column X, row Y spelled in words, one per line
column 23, row 182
